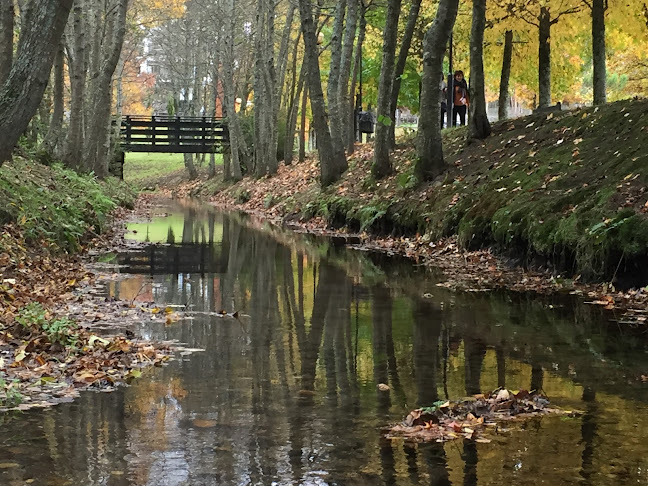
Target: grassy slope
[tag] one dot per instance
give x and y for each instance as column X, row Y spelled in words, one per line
column 56, row 204
column 567, row 188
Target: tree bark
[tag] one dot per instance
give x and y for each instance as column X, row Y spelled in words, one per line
column 504, row 94
column 430, row 162
column 344, row 96
column 56, row 121
column 76, row 49
column 6, row 38
column 598, row 51
column 479, row 126
column 302, row 125
column 23, row 90
column 544, row 57
column 333, row 86
column 235, row 132
column 293, row 111
column 400, row 65
column 357, row 66
column 381, row 166
column 333, row 163
column 99, row 136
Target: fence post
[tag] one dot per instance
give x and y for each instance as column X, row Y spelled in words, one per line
column 153, row 130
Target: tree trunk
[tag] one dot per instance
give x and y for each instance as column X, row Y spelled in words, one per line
column 381, row 166
column 400, row 65
column 211, row 171
column 430, row 162
column 23, row 90
column 189, row 165
column 77, row 71
column 6, row 38
column 504, row 95
column 234, row 127
column 598, row 51
column 544, row 58
column 344, row 97
column 293, row 111
column 357, row 66
column 479, row 125
column 333, row 163
column 302, row 125
column 332, row 89
column 56, row 122
column 99, row 137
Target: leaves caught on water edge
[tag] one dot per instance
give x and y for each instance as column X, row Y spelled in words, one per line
column 472, row 417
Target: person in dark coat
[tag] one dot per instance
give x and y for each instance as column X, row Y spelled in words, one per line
column 461, row 99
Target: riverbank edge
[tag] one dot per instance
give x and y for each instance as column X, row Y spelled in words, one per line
column 558, row 210
column 47, row 279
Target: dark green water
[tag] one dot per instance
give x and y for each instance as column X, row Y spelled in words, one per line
column 288, row 393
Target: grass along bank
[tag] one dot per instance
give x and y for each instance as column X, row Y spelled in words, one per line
column 48, row 215
column 563, row 190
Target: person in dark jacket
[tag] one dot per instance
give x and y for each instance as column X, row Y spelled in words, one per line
column 461, row 99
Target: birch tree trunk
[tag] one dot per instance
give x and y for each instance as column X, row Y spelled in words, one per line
column 544, row 58
column 381, row 166
column 6, row 38
column 23, row 90
column 504, row 95
column 599, row 51
column 430, row 162
column 234, row 127
column 333, row 163
column 479, row 126
column 406, row 43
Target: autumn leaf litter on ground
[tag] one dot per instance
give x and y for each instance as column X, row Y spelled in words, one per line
column 478, row 418
column 60, row 334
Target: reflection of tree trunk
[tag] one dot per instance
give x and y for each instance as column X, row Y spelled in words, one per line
column 329, row 350
column 501, row 365
column 474, row 353
column 188, row 225
column 387, row 461
column 471, row 459
column 427, row 329
column 589, row 433
column 537, row 377
column 381, row 315
column 310, row 351
column 435, row 458
column 410, row 451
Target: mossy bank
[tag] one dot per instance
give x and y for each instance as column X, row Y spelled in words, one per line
column 564, row 190
column 56, row 206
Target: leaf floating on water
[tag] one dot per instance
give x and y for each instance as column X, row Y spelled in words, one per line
column 383, row 387
column 204, row 424
column 8, row 465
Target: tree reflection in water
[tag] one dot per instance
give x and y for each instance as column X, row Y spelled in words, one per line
column 289, row 393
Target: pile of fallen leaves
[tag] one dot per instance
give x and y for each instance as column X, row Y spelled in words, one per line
column 40, row 368
column 471, row 418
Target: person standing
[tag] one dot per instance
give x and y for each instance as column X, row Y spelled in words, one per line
column 460, row 97
column 443, row 90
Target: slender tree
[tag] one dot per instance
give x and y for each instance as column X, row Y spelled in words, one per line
column 403, row 53
column 598, row 9
column 430, row 162
column 504, row 94
column 382, row 165
column 23, row 90
column 479, row 126
column 333, row 163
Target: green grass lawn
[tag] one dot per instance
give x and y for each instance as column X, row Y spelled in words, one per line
column 146, row 166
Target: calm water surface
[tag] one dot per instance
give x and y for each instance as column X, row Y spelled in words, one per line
column 288, row 393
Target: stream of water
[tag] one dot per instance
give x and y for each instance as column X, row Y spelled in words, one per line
column 287, row 393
